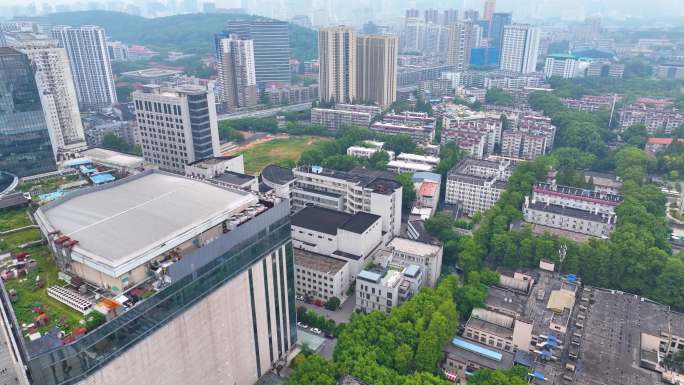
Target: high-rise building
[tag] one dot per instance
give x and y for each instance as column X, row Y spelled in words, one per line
column 460, row 43
column 236, row 73
column 118, row 51
column 496, row 28
column 412, row 13
column 415, row 31
column 177, row 125
column 520, row 48
column 449, row 16
column 432, row 16
column 189, row 264
column 376, row 63
column 489, row 8
column 337, row 55
column 471, row 15
column 86, row 48
column 25, row 147
column 57, row 93
column 271, row 48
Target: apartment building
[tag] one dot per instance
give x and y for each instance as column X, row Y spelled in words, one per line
column 177, row 125
column 476, row 184
column 658, row 115
column 565, row 66
column 338, row 68
column 351, row 192
column 572, row 209
column 520, row 48
column 461, row 39
column 476, row 133
column 237, row 85
column 57, row 92
column 376, row 64
column 670, row 71
column 605, row 69
column 592, row 103
column 333, row 119
column 86, row 48
column 531, row 136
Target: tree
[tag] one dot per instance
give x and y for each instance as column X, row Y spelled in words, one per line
column 115, row 142
column 333, row 303
column 635, row 135
column 409, row 191
column 498, row 97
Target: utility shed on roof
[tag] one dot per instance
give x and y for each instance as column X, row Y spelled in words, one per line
column 560, row 300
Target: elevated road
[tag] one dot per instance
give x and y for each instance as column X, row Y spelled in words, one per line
column 266, row 113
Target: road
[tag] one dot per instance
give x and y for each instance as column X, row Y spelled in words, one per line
column 12, row 186
column 266, row 113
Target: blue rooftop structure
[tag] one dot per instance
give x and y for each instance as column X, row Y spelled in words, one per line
column 537, row 375
column 89, row 169
column 477, row 349
column 422, row 175
column 102, row 178
column 370, row 276
column 572, row 278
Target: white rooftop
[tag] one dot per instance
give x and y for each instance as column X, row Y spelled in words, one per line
column 418, row 158
column 409, row 246
column 400, row 164
column 113, row 157
column 124, row 224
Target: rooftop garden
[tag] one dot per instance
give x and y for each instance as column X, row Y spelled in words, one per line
column 31, row 300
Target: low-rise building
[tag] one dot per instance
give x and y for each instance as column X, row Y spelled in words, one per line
column 214, row 166
column 383, row 289
column 276, row 178
column 417, row 133
column 572, row 209
column 464, row 357
column 653, row 145
column 332, row 119
column 405, row 252
column 320, row 277
column 124, row 163
column 367, row 152
column 603, row 182
column 670, row 71
column 476, row 185
column 340, row 235
column 605, row 69
column 591, row 103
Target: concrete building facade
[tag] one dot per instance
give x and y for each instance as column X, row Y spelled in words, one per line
column 337, row 54
column 376, row 63
column 177, row 125
column 520, row 48
column 236, row 73
column 86, row 47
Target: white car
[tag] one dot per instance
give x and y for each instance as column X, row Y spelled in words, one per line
column 316, row 330
column 301, row 325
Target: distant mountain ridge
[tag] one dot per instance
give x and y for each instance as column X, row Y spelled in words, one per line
column 192, row 33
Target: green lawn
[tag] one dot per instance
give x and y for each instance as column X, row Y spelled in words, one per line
column 47, row 185
column 278, row 151
column 12, row 219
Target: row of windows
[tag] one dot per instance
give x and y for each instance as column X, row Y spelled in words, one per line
column 158, row 107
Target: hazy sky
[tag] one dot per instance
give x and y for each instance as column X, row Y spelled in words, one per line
column 568, row 9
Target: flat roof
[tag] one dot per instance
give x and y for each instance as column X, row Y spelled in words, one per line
column 113, row 157
column 234, row 178
column 413, row 247
column 124, row 224
column 328, row 221
column 318, row 262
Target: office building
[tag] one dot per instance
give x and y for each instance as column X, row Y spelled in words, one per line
column 496, row 28
column 319, row 277
column 271, row 41
column 338, row 68
column 408, row 252
column 57, row 93
column 177, row 125
column 175, row 253
column 25, row 146
column 460, row 42
column 367, row 152
column 88, row 54
column 376, row 63
column 520, row 47
column 489, row 8
column 572, row 209
column 351, row 192
column 337, row 234
column 237, row 85
column 476, row 185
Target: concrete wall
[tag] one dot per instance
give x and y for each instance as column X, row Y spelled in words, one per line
column 212, row 342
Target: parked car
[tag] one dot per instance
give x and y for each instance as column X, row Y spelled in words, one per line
column 299, row 297
column 316, row 330
column 301, row 325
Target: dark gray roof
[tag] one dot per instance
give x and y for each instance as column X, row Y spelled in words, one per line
column 234, row 178
column 568, row 212
column 276, row 174
column 320, row 219
column 360, row 222
column 13, row 200
column 212, row 160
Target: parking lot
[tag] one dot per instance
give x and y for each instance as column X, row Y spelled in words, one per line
column 341, row 315
column 316, row 342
